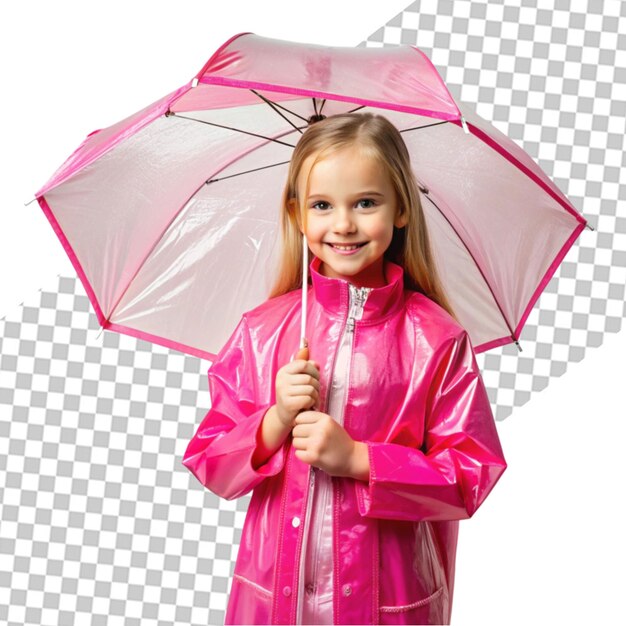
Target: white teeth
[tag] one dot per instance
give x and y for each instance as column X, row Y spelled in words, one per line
column 345, row 247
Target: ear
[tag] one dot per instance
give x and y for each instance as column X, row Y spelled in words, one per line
column 401, row 220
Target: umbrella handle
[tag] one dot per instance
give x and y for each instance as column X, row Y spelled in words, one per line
column 303, row 352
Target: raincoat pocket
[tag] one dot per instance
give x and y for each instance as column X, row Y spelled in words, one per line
column 251, row 602
column 428, row 610
column 412, row 579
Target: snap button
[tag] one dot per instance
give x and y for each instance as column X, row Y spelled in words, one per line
column 309, row 588
column 287, row 590
column 347, row 590
column 295, row 522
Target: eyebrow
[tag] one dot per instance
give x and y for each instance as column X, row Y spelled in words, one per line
column 361, row 193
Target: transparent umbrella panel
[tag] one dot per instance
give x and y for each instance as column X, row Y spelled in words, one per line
column 171, row 217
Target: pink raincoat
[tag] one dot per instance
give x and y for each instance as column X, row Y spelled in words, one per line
column 414, row 396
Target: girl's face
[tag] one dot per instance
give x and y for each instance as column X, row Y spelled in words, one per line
column 351, row 201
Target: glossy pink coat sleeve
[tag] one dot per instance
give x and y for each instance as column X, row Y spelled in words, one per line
column 461, row 459
column 220, row 453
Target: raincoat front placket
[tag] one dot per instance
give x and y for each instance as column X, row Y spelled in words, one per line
column 318, row 521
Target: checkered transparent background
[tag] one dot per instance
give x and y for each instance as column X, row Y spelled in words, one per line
column 99, row 521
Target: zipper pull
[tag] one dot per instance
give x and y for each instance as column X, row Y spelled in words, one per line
column 350, row 324
column 352, row 293
column 358, row 295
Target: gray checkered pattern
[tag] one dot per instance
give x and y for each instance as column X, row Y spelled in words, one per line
column 554, row 80
column 99, row 521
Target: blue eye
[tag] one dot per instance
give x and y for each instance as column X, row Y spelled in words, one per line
column 371, row 202
column 316, row 205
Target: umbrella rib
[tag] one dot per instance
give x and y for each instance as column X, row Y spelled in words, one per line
column 275, row 106
column 256, row 169
column 246, row 132
column 280, row 106
column 271, row 104
column 353, row 110
column 404, row 130
column 493, row 295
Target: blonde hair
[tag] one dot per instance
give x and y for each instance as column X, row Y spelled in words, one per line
column 380, row 139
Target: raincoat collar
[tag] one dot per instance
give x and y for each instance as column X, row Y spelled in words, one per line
column 333, row 293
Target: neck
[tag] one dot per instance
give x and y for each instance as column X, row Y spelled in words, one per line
column 375, row 278
column 333, row 293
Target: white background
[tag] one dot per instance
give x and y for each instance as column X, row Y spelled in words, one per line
column 549, row 543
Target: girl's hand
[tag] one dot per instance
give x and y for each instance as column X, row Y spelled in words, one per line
column 297, row 389
column 321, row 441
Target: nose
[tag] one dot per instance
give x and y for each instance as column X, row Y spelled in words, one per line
column 343, row 220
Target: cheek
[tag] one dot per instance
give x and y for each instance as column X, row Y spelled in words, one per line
column 314, row 230
column 381, row 232
column 313, row 237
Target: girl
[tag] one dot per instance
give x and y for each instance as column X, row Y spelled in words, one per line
column 363, row 458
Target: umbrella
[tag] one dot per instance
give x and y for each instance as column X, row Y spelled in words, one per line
column 170, row 216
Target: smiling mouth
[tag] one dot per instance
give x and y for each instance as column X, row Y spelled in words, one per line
column 346, row 246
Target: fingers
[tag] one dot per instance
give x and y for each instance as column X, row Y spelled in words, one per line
column 300, row 394
column 296, row 391
column 296, row 403
column 304, row 379
column 300, row 366
column 297, row 388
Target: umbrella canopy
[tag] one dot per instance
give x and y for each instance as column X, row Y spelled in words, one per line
column 170, row 216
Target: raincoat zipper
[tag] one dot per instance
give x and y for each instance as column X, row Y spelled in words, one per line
column 357, row 297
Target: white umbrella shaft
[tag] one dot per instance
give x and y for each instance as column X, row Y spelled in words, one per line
column 305, row 249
